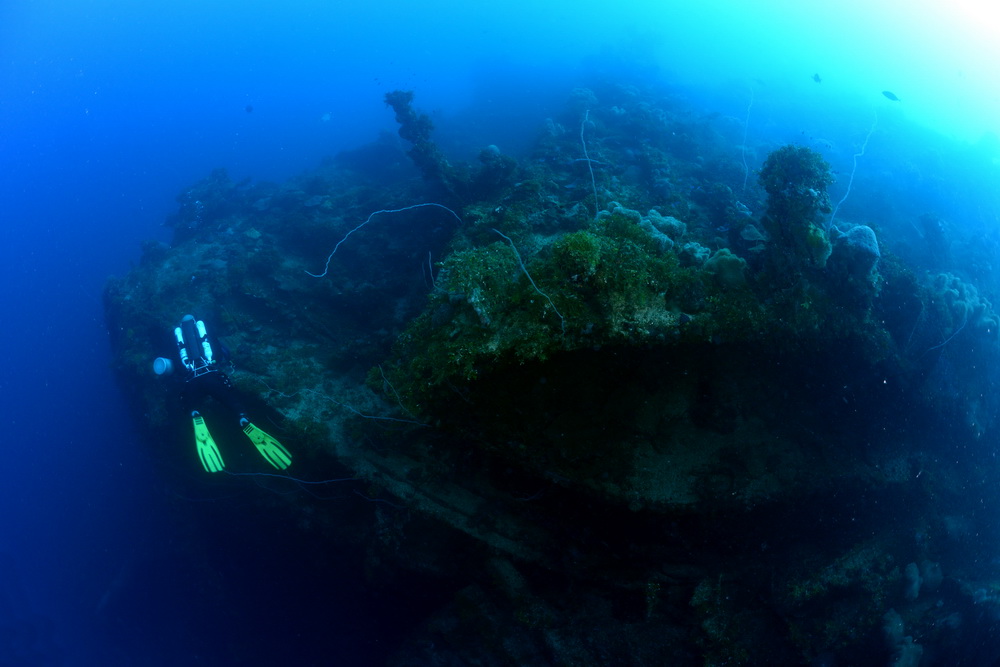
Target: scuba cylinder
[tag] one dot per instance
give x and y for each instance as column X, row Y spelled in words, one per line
column 193, row 348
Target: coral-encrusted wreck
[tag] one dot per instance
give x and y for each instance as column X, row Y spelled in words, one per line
column 673, row 428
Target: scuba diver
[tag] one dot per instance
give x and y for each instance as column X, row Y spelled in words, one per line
column 203, row 379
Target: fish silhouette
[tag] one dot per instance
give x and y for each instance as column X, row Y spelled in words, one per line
column 891, row 95
column 815, row 77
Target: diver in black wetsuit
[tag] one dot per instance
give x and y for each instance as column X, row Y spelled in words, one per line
column 203, row 379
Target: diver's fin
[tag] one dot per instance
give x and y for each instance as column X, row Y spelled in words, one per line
column 272, row 450
column 208, row 451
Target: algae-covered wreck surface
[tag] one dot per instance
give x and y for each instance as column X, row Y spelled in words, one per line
column 621, row 399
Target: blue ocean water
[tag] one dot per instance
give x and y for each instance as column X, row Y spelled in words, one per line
column 109, row 110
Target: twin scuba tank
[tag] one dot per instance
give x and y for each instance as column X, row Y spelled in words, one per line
column 193, row 348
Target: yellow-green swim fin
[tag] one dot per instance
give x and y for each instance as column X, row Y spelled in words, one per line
column 208, row 451
column 272, row 450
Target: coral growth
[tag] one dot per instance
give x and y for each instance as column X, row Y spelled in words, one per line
column 795, row 179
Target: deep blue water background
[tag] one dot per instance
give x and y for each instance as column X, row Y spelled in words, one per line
column 109, row 110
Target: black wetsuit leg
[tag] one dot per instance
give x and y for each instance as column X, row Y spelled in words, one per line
column 218, row 386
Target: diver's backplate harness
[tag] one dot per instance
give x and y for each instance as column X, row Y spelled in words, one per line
column 193, row 347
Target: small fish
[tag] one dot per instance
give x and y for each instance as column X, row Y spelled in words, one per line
column 816, row 78
column 891, row 95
